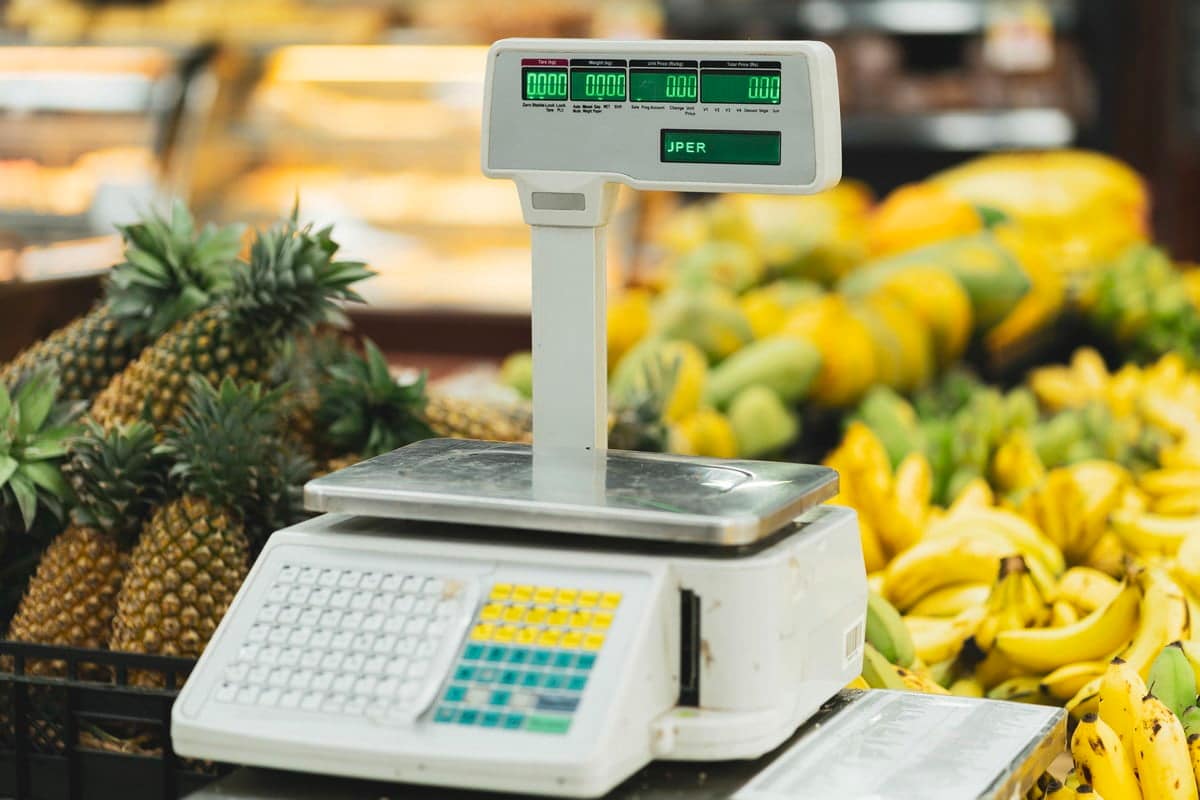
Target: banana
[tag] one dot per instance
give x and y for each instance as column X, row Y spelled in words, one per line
column 878, row 672
column 1159, row 482
column 1102, row 761
column 1085, row 792
column 1191, row 649
column 1027, row 539
column 1013, row 604
column 1121, row 691
column 1160, row 750
column 1063, row 613
column 1146, row 533
column 1191, row 721
column 1183, row 504
column 918, row 682
column 952, row 600
column 967, row 687
column 937, row 638
column 1193, row 742
column 1172, row 680
column 1163, row 618
column 1093, row 637
column 875, row 581
column 874, row 558
column 976, row 494
column 1086, row 700
column 1021, row 689
column 1065, row 682
column 858, row 683
column 1107, row 556
column 887, row 632
column 1056, row 791
column 1187, row 563
column 1087, row 588
column 994, row 669
column 933, row 563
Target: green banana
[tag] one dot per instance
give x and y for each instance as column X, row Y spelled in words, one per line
column 878, row 672
column 1191, row 720
column 887, row 633
column 1172, row 680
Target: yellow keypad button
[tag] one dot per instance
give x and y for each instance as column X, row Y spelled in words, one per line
column 559, row 617
column 527, row 635
column 593, row 641
column 482, row 632
column 514, row 614
column 501, row 591
column 536, row 616
column 572, row 639
column 566, row 597
column 550, row 638
column 505, row 634
column 610, row 600
column 544, row 594
column 588, row 599
column 491, row 612
column 581, row 619
column 602, row 620
column 522, row 593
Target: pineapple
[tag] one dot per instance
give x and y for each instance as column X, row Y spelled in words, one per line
column 193, row 553
column 169, row 272
column 72, row 598
column 291, row 284
column 636, row 422
column 457, row 418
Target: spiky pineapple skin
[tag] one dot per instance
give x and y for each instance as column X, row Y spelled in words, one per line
column 72, row 598
column 207, row 343
column 88, row 352
column 462, row 419
column 189, row 562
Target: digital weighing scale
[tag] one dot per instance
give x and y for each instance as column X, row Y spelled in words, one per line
column 550, row 619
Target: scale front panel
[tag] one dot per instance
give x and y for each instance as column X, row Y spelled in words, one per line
column 762, row 115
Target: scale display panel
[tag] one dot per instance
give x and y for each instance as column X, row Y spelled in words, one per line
column 695, row 116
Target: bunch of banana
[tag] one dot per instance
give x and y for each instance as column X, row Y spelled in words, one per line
column 1072, row 505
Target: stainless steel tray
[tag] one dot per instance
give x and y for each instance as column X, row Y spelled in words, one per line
column 631, row 495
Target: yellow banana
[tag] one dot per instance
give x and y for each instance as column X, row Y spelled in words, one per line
column 918, row 682
column 1063, row 613
column 933, row 563
column 1121, row 691
column 1162, row 620
column 1093, row 637
column 1107, row 556
column 1184, row 504
column 975, row 494
column 950, row 601
column 994, row 669
column 1056, row 791
column 1065, row 682
column 1159, row 482
column 1021, row 689
column 1088, row 368
column 1149, row 534
column 858, row 683
column 1014, row 603
column 1160, row 751
column 1102, row 761
column 1086, row 700
column 878, row 672
column 1194, row 753
column 874, row 557
column 967, row 687
column 1028, row 540
column 1187, row 563
column 938, row 638
column 1086, row 588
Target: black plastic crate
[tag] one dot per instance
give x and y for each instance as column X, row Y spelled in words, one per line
column 97, row 727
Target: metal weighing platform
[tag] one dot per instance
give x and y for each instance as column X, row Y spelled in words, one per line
column 860, row 746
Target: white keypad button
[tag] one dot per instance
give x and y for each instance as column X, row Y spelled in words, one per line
column 328, row 578
column 371, row 580
column 288, row 573
column 308, row 576
column 349, row 580
column 289, row 615
column 340, row 599
column 299, row 596
column 279, row 593
column 289, row 699
column 311, row 701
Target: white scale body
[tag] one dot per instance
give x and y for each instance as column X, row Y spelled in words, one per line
column 548, row 620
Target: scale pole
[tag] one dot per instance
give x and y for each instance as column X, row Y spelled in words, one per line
column 570, row 349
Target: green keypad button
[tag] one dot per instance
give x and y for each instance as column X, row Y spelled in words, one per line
column 518, row 655
column 496, row 654
column 468, row 716
column 490, row 720
column 500, row 698
column 541, row 658
column 586, row 661
column 514, row 721
column 474, row 652
column 464, row 673
column 564, row 660
column 554, row 681
column 547, row 724
column 444, row 714
column 531, row 679
column 577, row 683
column 456, row 694
column 509, row 677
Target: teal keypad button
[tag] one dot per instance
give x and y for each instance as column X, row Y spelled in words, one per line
column 456, row 694
column 586, row 661
column 486, row 675
column 500, row 698
column 464, row 673
column 514, row 721
column 474, row 652
column 577, row 683
column 490, row 720
column 564, row 660
column 468, row 716
column 547, row 724
column 531, row 679
column 496, row 654
column 541, row 658
column 518, row 655
column 509, row 677
column 553, row 681
column 444, row 714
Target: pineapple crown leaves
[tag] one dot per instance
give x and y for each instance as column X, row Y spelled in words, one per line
column 170, row 270
column 281, row 499
column 224, row 443
column 292, row 281
column 117, row 477
column 34, row 436
column 365, row 411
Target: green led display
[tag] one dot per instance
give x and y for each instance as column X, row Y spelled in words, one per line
column 662, row 86
column 544, row 84
column 727, row 86
column 721, row 147
column 597, row 84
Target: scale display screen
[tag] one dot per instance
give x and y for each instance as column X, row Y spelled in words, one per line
column 720, row 147
column 598, row 84
column 543, row 84
column 732, row 86
column 663, row 86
